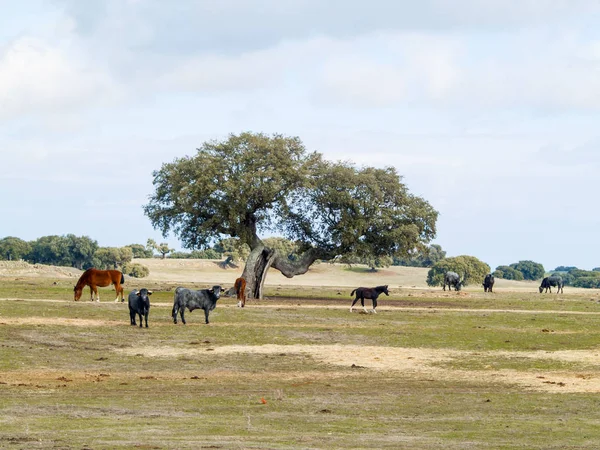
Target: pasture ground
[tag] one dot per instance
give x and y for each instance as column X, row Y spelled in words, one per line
column 433, row 369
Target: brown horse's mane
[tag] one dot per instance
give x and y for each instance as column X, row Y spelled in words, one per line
column 82, row 280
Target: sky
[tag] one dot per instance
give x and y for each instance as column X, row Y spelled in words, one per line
column 489, row 109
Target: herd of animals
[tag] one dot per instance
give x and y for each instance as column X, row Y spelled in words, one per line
column 452, row 279
column 206, row 299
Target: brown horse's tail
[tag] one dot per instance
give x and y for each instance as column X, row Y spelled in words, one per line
column 122, row 278
column 352, row 293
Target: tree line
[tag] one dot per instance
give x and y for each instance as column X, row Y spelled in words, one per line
column 80, row 252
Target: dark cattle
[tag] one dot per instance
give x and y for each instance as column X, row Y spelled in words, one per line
column 139, row 303
column 452, row 279
column 488, row 283
column 205, row 299
column 549, row 282
column 372, row 293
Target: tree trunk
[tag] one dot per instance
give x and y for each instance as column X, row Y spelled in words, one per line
column 261, row 258
column 255, row 271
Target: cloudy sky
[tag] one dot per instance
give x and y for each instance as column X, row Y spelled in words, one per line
column 489, row 108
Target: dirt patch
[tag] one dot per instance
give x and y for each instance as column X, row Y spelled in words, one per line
column 58, row 321
column 24, row 269
column 417, row 363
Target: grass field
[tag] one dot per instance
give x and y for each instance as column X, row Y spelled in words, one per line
column 297, row 370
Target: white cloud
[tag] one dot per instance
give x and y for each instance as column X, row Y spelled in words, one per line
column 37, row 77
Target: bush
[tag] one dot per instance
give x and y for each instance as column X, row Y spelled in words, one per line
column 136, row 270
column 469, row 268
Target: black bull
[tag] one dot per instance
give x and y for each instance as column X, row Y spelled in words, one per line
column 553, row 281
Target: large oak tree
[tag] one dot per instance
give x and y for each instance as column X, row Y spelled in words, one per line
column 252, row 184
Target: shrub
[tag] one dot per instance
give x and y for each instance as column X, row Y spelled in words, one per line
column 136, row 270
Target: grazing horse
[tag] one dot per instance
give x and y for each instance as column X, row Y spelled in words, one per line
column 240, row 290
column 372, row 293
column 94, row 278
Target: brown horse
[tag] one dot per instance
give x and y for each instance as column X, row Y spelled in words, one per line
column 240, row 290
column 94, row 278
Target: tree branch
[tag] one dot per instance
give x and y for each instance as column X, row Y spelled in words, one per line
column 292, row 268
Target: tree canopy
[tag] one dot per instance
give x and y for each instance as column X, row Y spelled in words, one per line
column 12, row 248
column 422, row 257
column 530, row 269
column 252, row 184
column 508, row 273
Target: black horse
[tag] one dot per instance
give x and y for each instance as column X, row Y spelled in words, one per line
column 372, row 293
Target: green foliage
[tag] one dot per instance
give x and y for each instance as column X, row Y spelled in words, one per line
column 69, row 250
column 254, row 183
column 581, row 278
column 426, row 257
column 135, row 270
column 469, row 268
column 530, row 269
column 374, row 262
column 112, row 257
column 564, row 268
column 284, row 246
column 232, row 247
column 209, row 253
column 163, row 248
column 508, row 273
column 139, row 251
column 13, row 248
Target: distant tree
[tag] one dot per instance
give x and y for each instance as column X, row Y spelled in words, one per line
column 373, row 262
column 112, row 257
column 234, row 248
column 164, row 249
column 530, row 270
column 564, row 268
column 596, row 269
column 139, row 251
column 469, row 268
column 69, row 250
column 426, row 257
column 582, row 278
column 13, row 248
column 283, row 246
column 209, row 253
column 508, row 273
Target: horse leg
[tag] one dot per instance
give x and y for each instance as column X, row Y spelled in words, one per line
column 355, row 300
column 362, row 302
column 117, row 290
column 374, row 305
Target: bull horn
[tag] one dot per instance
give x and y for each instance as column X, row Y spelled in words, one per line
column 137, row 293
column 149, row 292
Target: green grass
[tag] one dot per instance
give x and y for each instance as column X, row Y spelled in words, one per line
column 67, row 386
